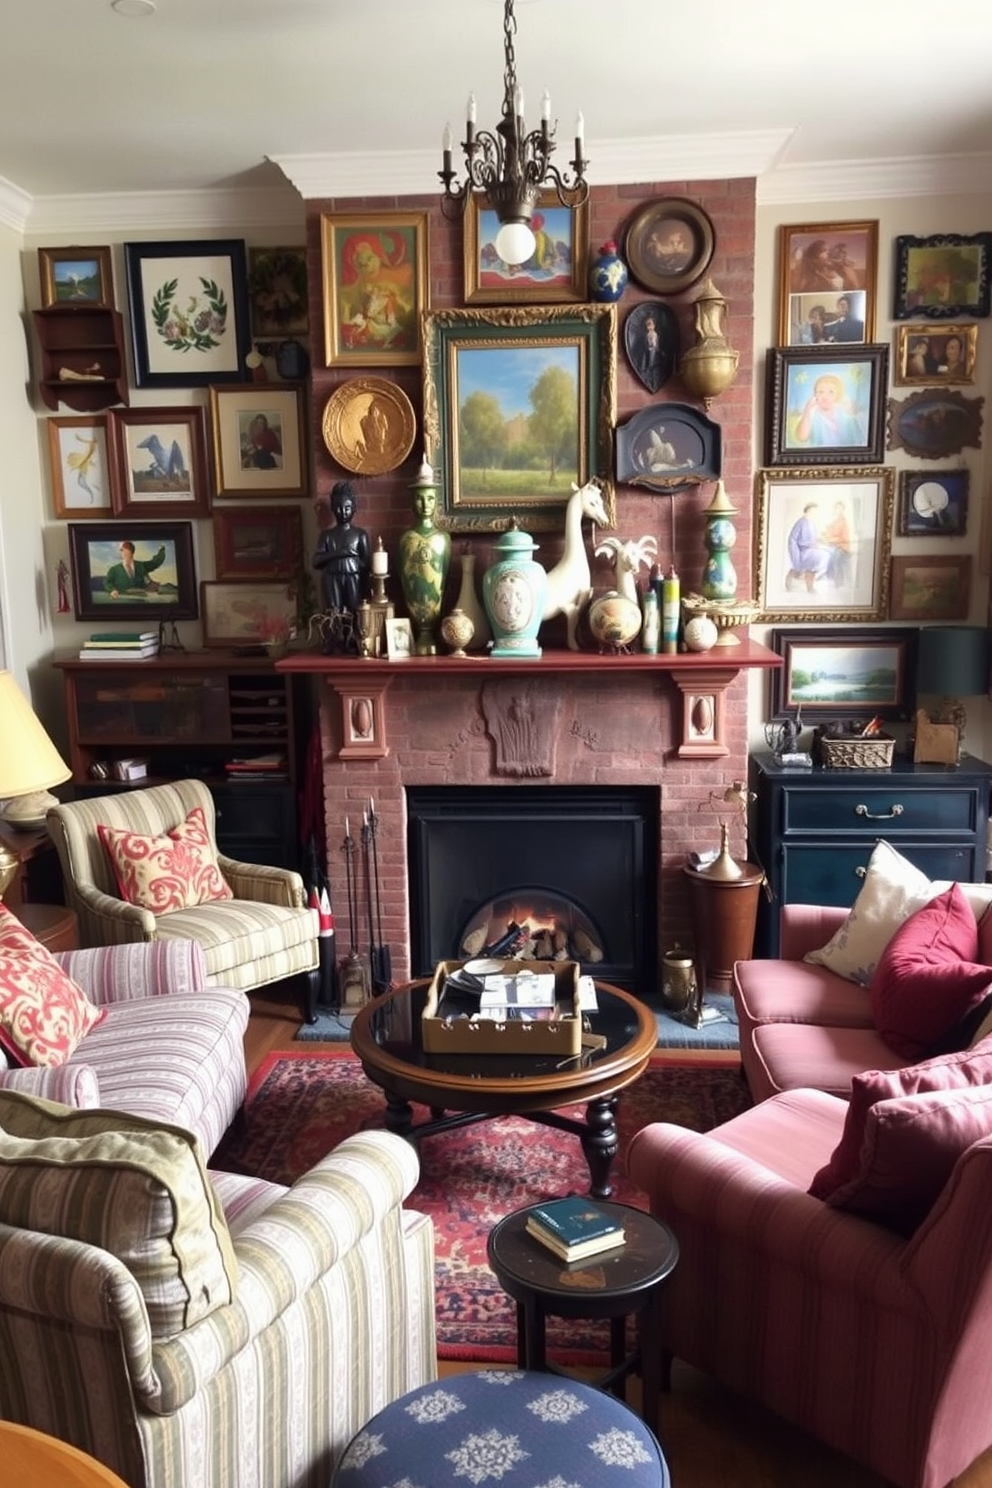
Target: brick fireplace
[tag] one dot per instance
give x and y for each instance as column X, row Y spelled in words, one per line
column 588, row 721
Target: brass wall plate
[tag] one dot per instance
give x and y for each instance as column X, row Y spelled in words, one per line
column 369, row 425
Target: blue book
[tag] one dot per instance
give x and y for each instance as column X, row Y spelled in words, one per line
column 574, row 1228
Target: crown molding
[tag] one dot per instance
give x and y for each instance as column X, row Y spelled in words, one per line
column 876, row 180
column 15, row 205
column 231, row 210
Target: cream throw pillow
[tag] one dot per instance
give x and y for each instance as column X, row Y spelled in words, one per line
column 138, row 1189
column 893, row 890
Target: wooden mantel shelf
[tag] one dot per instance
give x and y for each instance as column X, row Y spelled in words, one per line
column 702, row 677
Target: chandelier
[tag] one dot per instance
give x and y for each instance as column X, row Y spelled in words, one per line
column 509, row 165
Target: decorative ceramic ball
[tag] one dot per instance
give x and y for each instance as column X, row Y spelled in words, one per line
column 614, row 620
column 700, row 634
column 457, row 630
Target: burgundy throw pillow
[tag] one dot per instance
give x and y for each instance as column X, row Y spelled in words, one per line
column 967, row 1067
column 910, row 1147
column 927, row 978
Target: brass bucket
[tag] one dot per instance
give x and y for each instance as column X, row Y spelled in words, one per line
column 678, row 980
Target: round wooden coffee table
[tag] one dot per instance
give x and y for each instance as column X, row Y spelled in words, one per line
column 461, row 1089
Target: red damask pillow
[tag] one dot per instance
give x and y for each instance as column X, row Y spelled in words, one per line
column 177, row 871
column 43, row 1014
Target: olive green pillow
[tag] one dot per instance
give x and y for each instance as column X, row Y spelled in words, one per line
column 138, row 1189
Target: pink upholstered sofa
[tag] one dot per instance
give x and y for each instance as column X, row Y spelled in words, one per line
column 804, row 1026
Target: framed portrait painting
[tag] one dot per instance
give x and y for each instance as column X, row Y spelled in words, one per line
column 935, row 355
column 158, row 462
column 129, row 571
column 555, row 271
column 827, row 278
column 519, row 405
column 189, row 312
column 942, row 277
column 77, row 449
column 278, row 291
column 76, row 276
column 259, row 439
column 263, row 542
column 376, row 286
column 822, row 542
column 935, row 586
column 933, row 503
column 832, row 674
column 826, row 404
column 651, row 342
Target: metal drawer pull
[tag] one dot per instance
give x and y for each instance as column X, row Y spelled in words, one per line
column 861, row 810
column 861, row 872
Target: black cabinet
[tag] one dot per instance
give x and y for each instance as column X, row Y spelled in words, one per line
column 813, row 831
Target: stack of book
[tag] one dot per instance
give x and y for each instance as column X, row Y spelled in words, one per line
column 120, row 645
column 257, row 767
column 573, row 1228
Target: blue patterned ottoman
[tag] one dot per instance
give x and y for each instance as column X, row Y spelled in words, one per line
column 512, row 1428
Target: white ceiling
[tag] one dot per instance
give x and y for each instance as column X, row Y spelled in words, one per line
column 349, row 95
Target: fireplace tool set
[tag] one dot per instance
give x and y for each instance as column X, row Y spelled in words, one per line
column 356, row 974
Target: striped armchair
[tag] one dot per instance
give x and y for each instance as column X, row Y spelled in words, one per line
column 263, row 934
column 332, row 1318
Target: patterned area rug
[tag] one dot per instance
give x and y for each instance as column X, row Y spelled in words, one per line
column 302, row 1104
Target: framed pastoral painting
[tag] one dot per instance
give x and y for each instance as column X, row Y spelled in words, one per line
column 826, row 404
column 77, row 449
column 933, row 503
column 259, row 439
column 376, row 286
column 827, row 278
column 519, row 406
column 189, row 312
column 942, row 277
column 133, row 571
column 278, row 292
column 76, row 276
column 822, row 542
column 828, row 674
column 935, row 586
column 258, row 542
column 240, row 614
column 555, row 271
column 933, row 423
column 158, row 462
column 936, row 355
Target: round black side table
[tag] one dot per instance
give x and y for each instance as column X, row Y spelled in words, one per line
column 614, row 1284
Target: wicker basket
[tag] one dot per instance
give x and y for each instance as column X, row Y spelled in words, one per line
column 857, row 754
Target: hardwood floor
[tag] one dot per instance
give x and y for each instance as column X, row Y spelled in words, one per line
column 711, row 1437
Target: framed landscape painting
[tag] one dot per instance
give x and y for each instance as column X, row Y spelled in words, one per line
column 124, row 571
column 519, row 404
column 263, row 542
column 189, row 312
column 158, row 462
column 830, row 674
column 76, row 276
column 935, row 586
column 821, row 543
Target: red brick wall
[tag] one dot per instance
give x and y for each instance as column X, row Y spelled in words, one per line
column 620, row 728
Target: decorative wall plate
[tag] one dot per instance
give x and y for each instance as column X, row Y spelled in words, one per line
column 369, row 425
column 667, row 446
column 651, row 341
column 669, row 244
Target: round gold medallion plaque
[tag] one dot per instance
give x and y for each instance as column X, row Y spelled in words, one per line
column 369, row 425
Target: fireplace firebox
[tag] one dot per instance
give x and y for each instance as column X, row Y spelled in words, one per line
column 538, row 871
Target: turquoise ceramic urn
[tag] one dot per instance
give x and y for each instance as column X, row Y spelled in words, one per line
column 514, row 590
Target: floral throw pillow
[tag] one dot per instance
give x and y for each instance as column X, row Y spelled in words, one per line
column 43, row 1014
column 176, row 871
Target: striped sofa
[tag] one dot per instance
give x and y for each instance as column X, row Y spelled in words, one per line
column 332, row 1318
column 169, row 1047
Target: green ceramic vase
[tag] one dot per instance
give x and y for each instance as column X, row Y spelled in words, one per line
column 425, row 553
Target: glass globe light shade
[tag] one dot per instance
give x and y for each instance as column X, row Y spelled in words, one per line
column 515, row 243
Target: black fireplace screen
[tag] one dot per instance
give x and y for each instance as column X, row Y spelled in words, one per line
column 538, row 872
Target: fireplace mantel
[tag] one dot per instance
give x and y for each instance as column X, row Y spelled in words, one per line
column 701, row 677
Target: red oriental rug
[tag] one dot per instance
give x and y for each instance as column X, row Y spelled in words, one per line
column 301, row 1105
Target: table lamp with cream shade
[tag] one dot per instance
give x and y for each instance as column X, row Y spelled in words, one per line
column 29, row 766
column 952, row 663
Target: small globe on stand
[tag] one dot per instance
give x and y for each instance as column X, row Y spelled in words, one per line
column 457, row 631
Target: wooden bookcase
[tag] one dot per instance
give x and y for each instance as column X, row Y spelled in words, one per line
column 189, row 714
column 80, row 338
